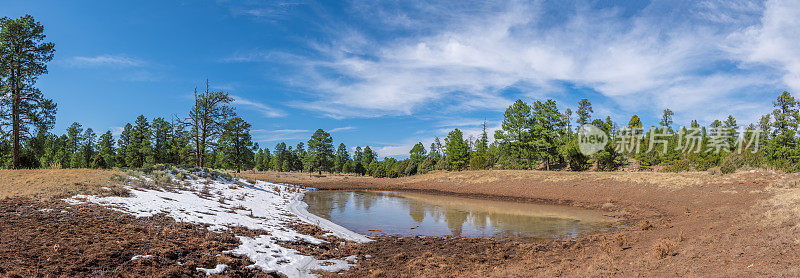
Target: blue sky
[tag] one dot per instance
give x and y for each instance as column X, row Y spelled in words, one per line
column 389, row 74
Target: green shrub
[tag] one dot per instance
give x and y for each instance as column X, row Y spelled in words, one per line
column 410, row 170
column 379, row 172
column 99, row 162
column 681, row 165
column 427, row 165
column 731, row 163
column 478, row 163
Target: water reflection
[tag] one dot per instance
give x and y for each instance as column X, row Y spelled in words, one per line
column 407, row 213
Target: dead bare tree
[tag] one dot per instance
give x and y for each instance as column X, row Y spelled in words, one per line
column 206, row 119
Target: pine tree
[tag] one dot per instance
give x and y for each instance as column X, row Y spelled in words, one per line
column 515, row 134
column 74, row 142
column 299, row 157
column 139, row 150
column 123, row 145
column 368, row 156
column 568, row 120
column 88, row 147
column 236, row 145
column 106, row 148
column 731, row 128
column 781, row 151
column 584, row 112
column 342, row 158
column 265, row 164
column 259, row 159
column 546, row 130
column 635, row 122
column 320, row 152
column 358, row 155
column 52, row 149
column 180, row 150
column 23, row 57
column 417, row 153
column 482, row 146
column 281, row 156
column 666, row 119
column 456, row 150
column 162, row 141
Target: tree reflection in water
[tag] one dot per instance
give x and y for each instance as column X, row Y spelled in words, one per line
column 407, row 213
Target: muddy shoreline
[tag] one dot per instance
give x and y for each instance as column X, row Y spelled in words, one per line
column 685, row 224
column 673, row 224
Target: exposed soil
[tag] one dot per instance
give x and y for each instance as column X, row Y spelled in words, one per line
column 54, row 239
column 690, row 224
column 676, row 224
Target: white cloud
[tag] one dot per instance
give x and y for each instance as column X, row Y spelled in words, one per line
column 265, row 136
column 775, row 41
column 391, row 151
column 106, row 60
column 116, row 131
column 463, row 60
column 260, row 107
column 344, row 128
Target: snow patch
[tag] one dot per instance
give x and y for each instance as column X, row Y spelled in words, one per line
column 141, row 257
column 217, row 270
column 223, row 204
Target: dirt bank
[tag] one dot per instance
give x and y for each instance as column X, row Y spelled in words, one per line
column 677, row 224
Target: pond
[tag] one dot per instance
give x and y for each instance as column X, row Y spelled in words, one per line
column 412, row 213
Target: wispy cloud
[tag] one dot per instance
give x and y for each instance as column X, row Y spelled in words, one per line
column 344, row 128
column 248, row 56
column 464, row 59
column 265, row 110
column 265, row 10
column 268, row 136
column 105, row 60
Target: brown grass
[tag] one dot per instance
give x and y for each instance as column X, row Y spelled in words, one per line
column 664, row 248
column 57, row 183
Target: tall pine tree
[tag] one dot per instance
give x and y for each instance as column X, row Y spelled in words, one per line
column 23, row 58
column 320, row 152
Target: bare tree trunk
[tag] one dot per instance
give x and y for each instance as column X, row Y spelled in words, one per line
column 15, row 99
column 16, row 126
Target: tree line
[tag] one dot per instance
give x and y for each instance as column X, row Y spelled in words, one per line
column 535, row 135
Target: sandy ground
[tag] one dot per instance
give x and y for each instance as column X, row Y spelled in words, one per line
column 676, row 224
column 690, row 224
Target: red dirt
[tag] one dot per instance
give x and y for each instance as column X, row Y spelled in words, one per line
column 677, row 224
column 53, row 239
column 687, row 224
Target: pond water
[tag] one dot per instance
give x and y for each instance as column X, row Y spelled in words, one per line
column 411, row 213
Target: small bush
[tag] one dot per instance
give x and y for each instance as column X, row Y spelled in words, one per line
column 478, row 163
column 428, row 165
column 681, row 165
column 664, row 248
column 731, row 163
column 379, row 172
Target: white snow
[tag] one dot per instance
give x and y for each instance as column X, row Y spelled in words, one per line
column 222, row 204
column 141, row 257
column 217, row 270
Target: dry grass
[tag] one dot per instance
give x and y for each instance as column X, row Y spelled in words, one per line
column 668, row 180
column 57, row 183
column 663, row 248
column 783, row 209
